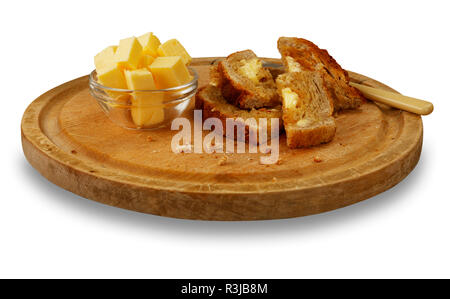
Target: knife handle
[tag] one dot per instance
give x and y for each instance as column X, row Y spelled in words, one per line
column 395, row 99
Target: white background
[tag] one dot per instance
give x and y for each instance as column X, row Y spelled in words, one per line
column 46, row 231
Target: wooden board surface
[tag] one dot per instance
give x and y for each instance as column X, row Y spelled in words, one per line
column 70, row 141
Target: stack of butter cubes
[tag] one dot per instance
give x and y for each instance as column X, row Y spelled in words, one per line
column 141, row 64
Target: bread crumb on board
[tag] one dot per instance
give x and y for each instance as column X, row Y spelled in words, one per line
column 317, row 159
column 213, row 147
column 223, row 160
column 185, row 148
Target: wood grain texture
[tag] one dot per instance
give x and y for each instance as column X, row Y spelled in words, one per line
column 70, row 141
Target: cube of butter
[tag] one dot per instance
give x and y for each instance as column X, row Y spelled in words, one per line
column 128, row 53
column 146, row 116
column 174, row 48
column 111, row 76
column 140, row 79
column 105, row 57
column 145, row 61
column 169, row 72
column 147, row 108
column 149, row 43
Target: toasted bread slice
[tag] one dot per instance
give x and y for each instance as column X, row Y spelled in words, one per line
column 302, row 55
column 246, row 83
column 216, row 79
column 213, row 104
column 307, row 109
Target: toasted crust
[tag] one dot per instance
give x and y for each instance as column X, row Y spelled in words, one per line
column 210, row 100
column 300, row 137
column 240, row 90
column 309, row 57
column 215, row 77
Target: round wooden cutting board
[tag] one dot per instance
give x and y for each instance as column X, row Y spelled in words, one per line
column 71, row 142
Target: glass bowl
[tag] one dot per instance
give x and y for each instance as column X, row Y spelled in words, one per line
column 144, row 109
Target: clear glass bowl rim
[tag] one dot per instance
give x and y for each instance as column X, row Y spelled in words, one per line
column 95, row 84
